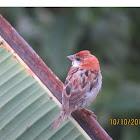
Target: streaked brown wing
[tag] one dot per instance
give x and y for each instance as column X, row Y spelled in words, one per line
column 77, row 84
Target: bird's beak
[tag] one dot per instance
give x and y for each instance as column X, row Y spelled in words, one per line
column 71, row 57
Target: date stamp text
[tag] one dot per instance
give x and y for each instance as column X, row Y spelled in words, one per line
column 125, row 121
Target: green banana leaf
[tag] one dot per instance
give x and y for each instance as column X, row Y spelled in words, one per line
column 27, row 108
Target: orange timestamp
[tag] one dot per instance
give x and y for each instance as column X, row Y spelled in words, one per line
column 125, row 121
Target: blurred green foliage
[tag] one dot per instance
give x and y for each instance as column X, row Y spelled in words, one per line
column 111, row 34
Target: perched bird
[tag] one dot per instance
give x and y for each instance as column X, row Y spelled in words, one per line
column 81, row 86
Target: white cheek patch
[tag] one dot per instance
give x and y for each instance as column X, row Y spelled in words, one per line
column 76, row 63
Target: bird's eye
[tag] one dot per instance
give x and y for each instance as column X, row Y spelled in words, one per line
column 78, row 59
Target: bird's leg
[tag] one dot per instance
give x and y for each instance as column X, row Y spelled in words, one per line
column 88, row 112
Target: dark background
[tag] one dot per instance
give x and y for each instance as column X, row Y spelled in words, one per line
column 111, row 34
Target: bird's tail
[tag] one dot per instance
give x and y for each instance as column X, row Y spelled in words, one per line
column 57, row 122
column 64, row 114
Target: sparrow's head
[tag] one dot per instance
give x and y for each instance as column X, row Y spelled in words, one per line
column 84, row 59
